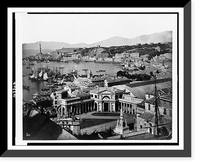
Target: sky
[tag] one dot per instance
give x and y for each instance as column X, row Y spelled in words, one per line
column 91, row 28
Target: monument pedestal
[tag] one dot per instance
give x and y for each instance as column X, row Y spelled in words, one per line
column 121, row 126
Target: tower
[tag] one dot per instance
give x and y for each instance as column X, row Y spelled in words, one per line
column 40, row 48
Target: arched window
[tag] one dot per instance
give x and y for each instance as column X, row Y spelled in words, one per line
column 133, row 111
column 63, row 111
column 106, row 98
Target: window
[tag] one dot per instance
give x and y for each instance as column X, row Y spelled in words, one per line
column 149, row 106
column 133, row 111
column 124, row 124
column 141, row 126
column 165, row 111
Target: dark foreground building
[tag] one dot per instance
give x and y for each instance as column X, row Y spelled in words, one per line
column 39, row 127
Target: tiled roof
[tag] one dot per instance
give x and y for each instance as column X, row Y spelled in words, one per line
column 118, row 80
column 166, row 97
column 166, row 90
column 147, row 116
column 162, row 120
column 140, row 91
column 39, row 127
column 151, row 82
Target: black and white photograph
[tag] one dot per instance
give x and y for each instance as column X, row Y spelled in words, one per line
column 96, row 78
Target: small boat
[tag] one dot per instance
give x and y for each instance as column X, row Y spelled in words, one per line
column 130, row 68
column 45, row 89
column 31, row 63
column 77, row 61
column 101, row 71
column 85, row 69
column 50, row 84
column 61, row 67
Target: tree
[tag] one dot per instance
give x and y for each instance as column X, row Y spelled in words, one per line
column 83, row 52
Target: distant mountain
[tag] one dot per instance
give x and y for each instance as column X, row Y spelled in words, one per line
column 45, row 45
column 114, row 41
column 153, row 38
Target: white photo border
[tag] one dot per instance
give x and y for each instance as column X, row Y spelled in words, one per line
column 18, row 120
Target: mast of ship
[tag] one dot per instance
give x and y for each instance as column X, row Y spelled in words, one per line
column 156, row 102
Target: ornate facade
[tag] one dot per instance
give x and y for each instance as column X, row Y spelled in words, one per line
column 67, row 107
column 106, row 99
column 129, row 103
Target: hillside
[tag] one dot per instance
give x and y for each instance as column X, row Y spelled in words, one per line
column 44, row 45
column 162, row 37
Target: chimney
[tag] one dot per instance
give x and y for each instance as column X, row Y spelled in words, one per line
column 40, row 49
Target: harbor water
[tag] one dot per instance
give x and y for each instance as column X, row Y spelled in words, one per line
column 109, row 68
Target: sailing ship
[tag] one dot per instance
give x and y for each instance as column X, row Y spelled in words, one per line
column 31, row 63
column 32, row 76
column 40, row 74
column 45, row 77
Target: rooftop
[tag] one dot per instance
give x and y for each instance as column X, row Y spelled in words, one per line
column 140, row 89
column 143, row 83
column 39, row 127
column 102, row 89
column 162, row 120
column 110, row 80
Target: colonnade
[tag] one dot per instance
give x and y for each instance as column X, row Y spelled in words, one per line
column 128, row 107
column 74, row 109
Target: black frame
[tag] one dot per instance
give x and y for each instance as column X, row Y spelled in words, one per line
column 186, row 152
